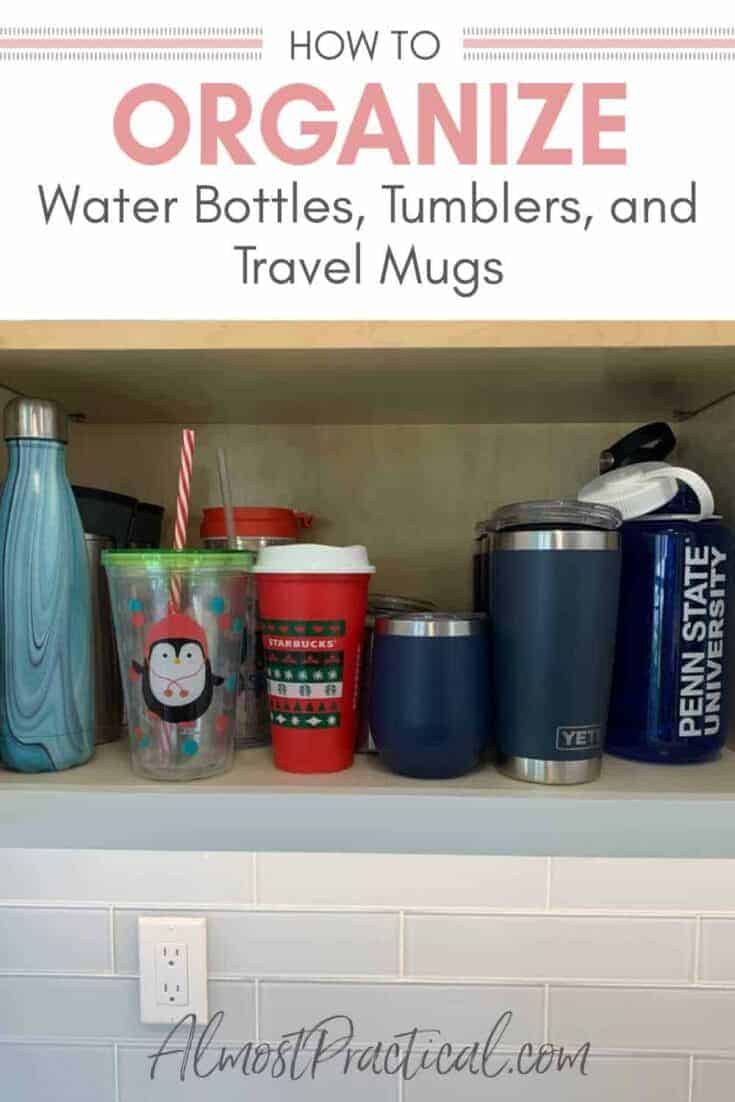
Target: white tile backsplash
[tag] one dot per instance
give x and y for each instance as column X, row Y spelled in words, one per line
column 627, row 1018
column 717, row 954
column 378, row 1011
column 120, row 876
column 550, row 946
column 56, row 1073
column 51, row 939
column 401, row 880
column 86, row 1008
column 268, row 943
column 229, row 1085
column 598, row 950
column 643, row 884
column 606, row 1079
column 714, row 1080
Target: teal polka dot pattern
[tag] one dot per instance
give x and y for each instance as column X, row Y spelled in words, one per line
column 144, row 742
column 218, row 605
column 237, row 624
column 135, row 605
column 191, row 747
column 231, row 683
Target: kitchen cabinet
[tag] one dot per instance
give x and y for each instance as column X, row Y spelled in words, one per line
column 399, row 436
column 370, row 372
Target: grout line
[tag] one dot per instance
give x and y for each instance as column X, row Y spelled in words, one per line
column 367, row 909
column 111, row 931
column 630, row 983
column 116, row 1072
column 480, row 912
column 547, row 1000
column 690, row 1093
column 401, row 945
column 697, row 949
column 548, row 883
column 255, row 878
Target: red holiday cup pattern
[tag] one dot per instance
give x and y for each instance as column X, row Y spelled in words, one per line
column 305, row 671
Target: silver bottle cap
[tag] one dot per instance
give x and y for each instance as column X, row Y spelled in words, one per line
column 35, row 419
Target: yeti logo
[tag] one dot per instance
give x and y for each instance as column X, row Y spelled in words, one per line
column 578, row 738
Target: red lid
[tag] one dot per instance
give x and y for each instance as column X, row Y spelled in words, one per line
column 253, row 521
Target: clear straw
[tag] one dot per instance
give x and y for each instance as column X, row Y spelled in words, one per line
column 224, row 485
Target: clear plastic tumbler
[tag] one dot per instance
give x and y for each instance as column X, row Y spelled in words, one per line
column 179, row 622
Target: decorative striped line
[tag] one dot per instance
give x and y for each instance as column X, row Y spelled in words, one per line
column 607, row 43
column 150, row 43
column 599, row 55
column 532, row 42
column 127, row 32
column 129, row 55
column 130, row 43
column 475, row 31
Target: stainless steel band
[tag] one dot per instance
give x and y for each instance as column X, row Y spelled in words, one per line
column 432, row 625
column 556, row 539
column 539, row 771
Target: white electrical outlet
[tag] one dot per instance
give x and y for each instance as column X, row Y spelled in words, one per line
column 173, row 969
column 172, row 973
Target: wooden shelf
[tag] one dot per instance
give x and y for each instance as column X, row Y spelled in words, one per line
column 239, row 335
column 370, row 372
column 632, row 811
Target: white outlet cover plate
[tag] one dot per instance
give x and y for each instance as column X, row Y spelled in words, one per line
column 160, row 930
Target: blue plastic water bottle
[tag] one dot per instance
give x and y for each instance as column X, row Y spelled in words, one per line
column 669, row 700
column 46, row 681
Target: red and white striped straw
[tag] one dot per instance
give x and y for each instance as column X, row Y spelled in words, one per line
column 186, row 461
column 184, row 495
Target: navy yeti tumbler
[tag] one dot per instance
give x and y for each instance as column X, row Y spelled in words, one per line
column 430, row 698
column 555, row 573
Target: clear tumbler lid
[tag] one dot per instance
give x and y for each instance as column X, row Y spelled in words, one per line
column 387, row 604
column 556, row 514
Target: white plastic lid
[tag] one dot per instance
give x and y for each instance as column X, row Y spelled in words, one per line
column 313, row 558
column 644, row 488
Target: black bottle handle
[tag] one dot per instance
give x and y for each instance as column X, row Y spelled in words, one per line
column 649, row 442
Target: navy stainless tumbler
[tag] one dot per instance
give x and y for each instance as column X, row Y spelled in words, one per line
column 430, row 697
column 480, row 567
column 555, row 574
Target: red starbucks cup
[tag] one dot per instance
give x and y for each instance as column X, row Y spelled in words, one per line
column 313, row 601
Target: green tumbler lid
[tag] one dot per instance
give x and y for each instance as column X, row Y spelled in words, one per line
column 151, row 559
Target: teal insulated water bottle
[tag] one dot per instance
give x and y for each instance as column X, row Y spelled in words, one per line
column 46, row 686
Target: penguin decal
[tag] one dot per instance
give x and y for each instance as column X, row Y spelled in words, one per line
column 178, row 683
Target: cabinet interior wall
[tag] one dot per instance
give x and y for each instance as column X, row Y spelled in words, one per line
column 707, row 444
column 410, row 493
